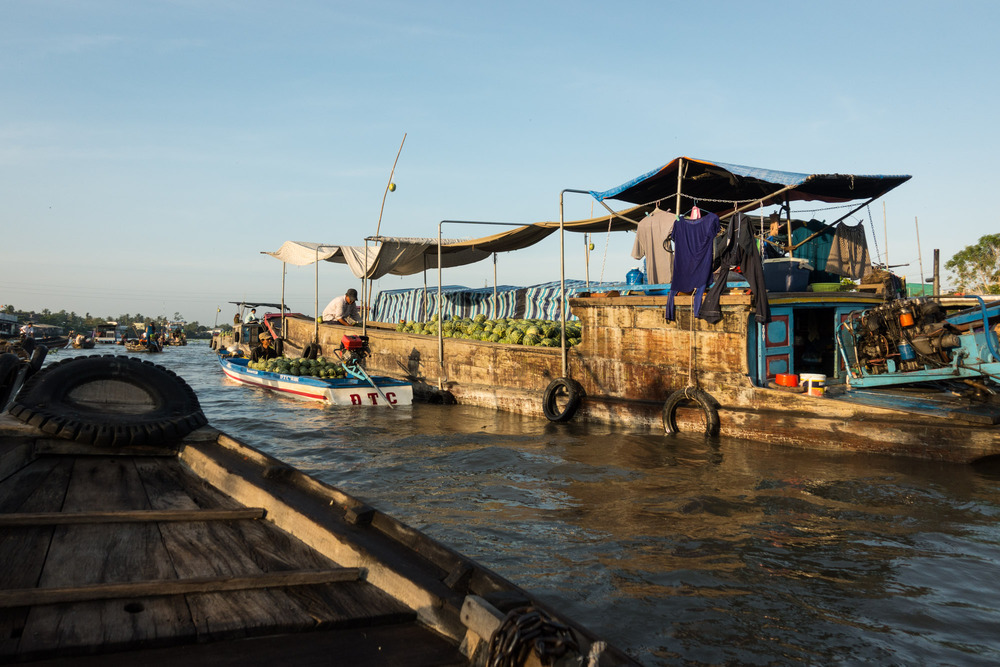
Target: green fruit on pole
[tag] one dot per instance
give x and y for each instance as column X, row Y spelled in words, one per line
column 392, row 187
column 591, row 246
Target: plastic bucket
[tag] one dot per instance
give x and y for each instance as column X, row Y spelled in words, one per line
column 787, row 380
column 815, row 383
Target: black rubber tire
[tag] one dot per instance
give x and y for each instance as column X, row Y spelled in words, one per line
column 10, row 363
column 36, row 361
column 559, row 388
column 279, row 347
column 306, row 351
column 704, row 401
column 47, row 402
column 212, row 343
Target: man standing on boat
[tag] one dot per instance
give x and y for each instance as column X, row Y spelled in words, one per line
column 264, row 350
column 343, row 310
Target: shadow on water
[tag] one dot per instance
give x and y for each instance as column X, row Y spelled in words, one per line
column 679, row 549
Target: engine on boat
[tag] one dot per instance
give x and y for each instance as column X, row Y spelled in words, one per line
column 912, row 333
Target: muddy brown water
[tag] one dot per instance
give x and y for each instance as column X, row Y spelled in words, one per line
column 677, row 549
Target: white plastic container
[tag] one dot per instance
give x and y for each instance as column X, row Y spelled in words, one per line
column 815, row 384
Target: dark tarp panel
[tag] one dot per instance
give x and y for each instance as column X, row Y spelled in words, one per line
column 719, row 181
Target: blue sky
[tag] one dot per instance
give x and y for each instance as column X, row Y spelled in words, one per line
column 149, row 151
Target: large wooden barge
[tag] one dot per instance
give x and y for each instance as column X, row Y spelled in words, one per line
column 132, row 532
column 913, row 377
column 630, row 362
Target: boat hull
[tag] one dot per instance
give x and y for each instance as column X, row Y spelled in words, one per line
column 630, row 361
column 334, row 392
column 163, row 541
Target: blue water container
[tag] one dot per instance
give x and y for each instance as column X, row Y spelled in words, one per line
column 906, row 352
column 634, row 277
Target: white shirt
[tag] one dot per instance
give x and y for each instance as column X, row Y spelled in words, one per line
column 340, row 309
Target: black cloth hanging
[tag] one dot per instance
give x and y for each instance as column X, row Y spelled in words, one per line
column 740, row 251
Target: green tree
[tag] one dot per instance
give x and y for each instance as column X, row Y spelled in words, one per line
column 977, row 267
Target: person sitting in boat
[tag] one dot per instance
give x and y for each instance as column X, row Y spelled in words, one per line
column 343, row 310
column 28, row 337
column 251, row 316
column 776, row 241
column 264, row 350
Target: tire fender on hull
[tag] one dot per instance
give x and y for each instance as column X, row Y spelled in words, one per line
column 561, row 388
column 66, row 400
column 697, row 396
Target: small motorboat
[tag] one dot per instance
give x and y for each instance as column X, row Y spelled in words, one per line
column 356, row 388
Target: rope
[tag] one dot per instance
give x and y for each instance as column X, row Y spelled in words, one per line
column 607, row 242
column 691, row 382
column 878, row 255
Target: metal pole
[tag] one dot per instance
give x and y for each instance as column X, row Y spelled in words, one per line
column 284, row 326
column 316, row 318
column 788, row 223
column 496, row 312
column 366, row 292
column 423, row 298
column 586, row 255
column 440, row 328
column 937, row 272
column 920, row 257
column 440, row 306
column 680, row 178
column 562, row 286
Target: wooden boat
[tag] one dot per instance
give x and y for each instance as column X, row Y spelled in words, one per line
column 109, row 333
column 175, row 333
column 134, row 533
column 635, row 368
column 136, row 347
column 374, row 390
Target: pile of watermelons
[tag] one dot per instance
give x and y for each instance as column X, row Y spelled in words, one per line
column 321, row 367
column 544, row 333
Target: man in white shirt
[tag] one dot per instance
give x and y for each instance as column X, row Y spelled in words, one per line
column 343, row 309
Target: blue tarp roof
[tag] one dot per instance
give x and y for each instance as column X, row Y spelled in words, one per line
column 721, row 181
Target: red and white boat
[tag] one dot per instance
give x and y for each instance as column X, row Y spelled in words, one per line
column 371, row 390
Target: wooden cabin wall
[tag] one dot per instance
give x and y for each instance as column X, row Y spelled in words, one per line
column 628, row 352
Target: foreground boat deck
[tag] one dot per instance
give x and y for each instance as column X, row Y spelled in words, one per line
column 210, row 552
column 122, row 553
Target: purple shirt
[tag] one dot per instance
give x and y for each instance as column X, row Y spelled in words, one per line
column 693, row 242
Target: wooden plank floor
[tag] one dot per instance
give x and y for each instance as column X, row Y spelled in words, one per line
column 102, row 551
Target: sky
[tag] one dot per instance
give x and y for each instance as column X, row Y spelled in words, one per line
column 151, row 151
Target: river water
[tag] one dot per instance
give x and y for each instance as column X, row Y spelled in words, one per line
column 679, row 550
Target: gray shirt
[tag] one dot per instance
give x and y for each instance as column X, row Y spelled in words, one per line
column 650, row 237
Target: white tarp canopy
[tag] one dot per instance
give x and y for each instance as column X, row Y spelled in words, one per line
column 404, row 256
column 397, row 256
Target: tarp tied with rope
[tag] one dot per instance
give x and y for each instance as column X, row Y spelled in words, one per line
column 723, row 182
column 403, row 256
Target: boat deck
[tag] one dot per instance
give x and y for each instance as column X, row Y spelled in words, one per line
column 137, row 554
